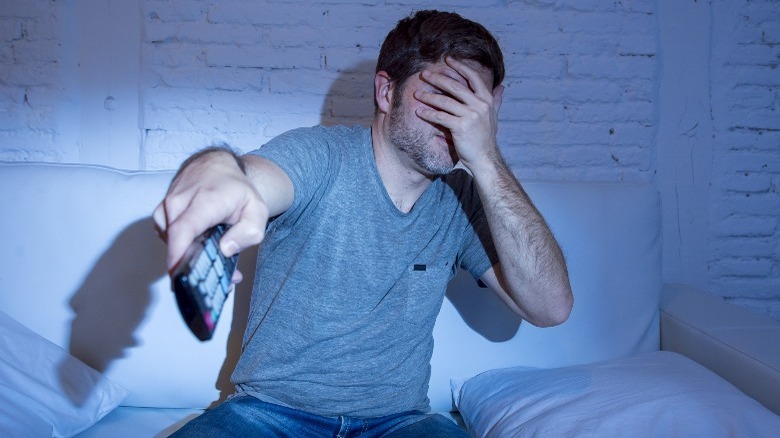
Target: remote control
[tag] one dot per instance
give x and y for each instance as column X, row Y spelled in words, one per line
column 201, row 282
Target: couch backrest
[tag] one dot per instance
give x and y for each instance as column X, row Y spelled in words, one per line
column 84, row 268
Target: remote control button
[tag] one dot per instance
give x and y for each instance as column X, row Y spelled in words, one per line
column 211, row 249
column 211, row 280
column 219, row 266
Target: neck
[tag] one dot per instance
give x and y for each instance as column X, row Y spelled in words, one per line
column 403, row 182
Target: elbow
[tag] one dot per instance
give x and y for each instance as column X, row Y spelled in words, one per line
column 561, row 311
column 558, row 310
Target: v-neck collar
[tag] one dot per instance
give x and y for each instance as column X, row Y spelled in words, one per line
column 379, row 185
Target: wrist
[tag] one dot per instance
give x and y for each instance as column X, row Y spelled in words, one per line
column 211, row 152
column 486, row 163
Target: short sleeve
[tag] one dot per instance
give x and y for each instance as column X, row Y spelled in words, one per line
column 309, row 157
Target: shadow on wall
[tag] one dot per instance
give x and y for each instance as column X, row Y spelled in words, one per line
column 350, row 97
column 114, row 298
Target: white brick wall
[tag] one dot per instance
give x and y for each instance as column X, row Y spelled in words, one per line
column 578, row 105
column 745, row 196
column 144, row 83
column 31, row 95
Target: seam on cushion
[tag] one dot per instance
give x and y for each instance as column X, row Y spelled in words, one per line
column 743, row 353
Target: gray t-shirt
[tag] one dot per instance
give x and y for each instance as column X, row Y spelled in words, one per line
column 347, row 287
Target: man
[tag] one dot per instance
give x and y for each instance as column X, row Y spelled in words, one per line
column 361, row 230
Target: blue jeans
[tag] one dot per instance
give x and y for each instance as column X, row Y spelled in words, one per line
column 245, row 416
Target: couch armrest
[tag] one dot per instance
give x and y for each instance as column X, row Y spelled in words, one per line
column 741, row 346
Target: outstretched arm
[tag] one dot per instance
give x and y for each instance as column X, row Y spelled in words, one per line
column 217, row 186
column 531, row 275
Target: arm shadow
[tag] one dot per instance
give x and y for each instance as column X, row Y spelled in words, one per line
column 481, row 309
column 116, row 295
column 114, row 298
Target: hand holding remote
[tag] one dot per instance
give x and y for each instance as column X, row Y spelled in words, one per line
column 210, row 188
column 216, row 186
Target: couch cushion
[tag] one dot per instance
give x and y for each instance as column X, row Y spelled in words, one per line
column 611, row 237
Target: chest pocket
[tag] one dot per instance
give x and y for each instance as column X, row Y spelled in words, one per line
column 424, row 287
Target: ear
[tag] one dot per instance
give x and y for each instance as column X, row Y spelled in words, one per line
column 498, row 96
column 383, row 91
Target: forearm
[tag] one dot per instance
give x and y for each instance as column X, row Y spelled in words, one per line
column 531, row 270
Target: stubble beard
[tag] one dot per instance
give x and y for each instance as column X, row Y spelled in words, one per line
column 417, row 144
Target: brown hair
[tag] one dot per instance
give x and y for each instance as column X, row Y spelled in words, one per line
column 428, row 36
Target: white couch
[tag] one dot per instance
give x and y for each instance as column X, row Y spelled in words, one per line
column 83, row 268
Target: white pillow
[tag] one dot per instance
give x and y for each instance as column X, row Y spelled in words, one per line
column 40, row 384
column 657, row 394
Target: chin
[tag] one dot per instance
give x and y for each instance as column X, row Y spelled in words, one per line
column 439, row 168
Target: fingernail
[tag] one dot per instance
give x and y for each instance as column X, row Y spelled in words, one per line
column 230, row 248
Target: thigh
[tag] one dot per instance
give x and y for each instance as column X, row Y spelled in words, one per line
column 244, row 416
column 432, row 426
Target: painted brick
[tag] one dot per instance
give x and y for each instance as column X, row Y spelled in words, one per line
column 173, row 55
column 174, row 11
column 636, row 111
column 27, row 9
column 347, row 84
column 611, row 66
column 741, row 225
column 213, row 78
column 256, row 13
column 198, row 33
column 437, row 5
column 747, row 161
column 11, row 28
column 31, row 145
column 731, row 287
column 533, row 65
column 567, row 90
column 532, row 111
column 608, row 22
column 747, row 182
column 742, row 267
column 756, row 246
column 751, row 140
column 258, row 56
column 753, row 74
